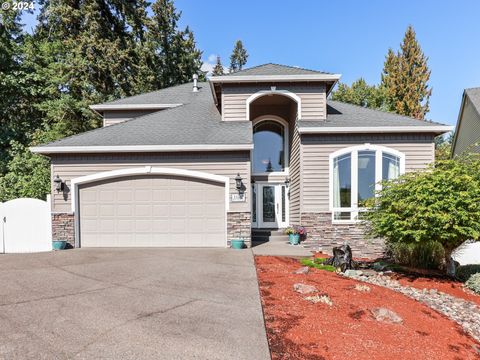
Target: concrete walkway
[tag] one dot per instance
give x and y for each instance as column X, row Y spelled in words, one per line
column 280, row 248
column 131, row 304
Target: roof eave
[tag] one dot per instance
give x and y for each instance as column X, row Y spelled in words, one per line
column 138, row 148
column 440, row 129
column 105, row 107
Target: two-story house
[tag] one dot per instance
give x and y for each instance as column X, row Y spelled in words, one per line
column 199, row 164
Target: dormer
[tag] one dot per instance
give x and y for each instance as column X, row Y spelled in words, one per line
column 248, row 94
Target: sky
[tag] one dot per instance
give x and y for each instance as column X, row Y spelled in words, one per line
column 349, row 37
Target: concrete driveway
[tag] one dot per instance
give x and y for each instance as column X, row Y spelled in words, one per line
column 131, row 304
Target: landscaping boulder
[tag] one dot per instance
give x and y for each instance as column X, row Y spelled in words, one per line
column 302, row 270
column 342, row 258
column 386, row 315
column 304, row 289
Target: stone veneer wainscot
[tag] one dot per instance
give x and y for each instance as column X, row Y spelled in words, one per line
column 239, row 226
column 323, row 236
column 63, row 227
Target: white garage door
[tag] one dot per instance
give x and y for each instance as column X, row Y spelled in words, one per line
column 152, row 211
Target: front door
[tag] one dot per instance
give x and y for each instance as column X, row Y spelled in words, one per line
column 271, row 206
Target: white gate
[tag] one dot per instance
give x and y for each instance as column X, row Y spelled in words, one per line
column 26, row 226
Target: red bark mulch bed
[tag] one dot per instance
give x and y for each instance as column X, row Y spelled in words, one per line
column 299, row 329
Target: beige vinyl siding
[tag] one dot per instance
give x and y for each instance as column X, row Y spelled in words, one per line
column 295, row 176
column 111, row 117
column 419, row 151
column 313, row 96
column 222, row 163
column 469, row 128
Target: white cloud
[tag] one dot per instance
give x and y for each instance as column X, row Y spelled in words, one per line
column 212, row 58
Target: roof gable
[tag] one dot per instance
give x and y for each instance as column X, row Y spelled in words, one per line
column 274, row 69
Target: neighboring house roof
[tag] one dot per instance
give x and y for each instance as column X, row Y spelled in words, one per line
column 343, row 117
column 469, row 134
column 197, row 125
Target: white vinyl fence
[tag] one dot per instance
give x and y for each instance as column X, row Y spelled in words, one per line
column 26, row 226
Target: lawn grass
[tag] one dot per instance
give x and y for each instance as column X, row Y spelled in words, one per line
column 317, row 263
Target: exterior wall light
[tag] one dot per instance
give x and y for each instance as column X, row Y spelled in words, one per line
column 59, row 184
column 238, row 183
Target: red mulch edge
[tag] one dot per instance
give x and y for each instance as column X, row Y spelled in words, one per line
column 299, row 329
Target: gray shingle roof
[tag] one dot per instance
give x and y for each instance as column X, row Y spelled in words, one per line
column 179, row 94
column 274, row 69
column 341, row 114
column 198, row 122
column 474, row 96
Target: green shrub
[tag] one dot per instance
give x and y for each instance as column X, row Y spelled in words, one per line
column 441, row 203
column 428, row 255
column 474, row 283
column 464, row 272
column 317, row 264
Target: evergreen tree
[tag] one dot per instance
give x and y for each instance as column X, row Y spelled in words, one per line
column 173, row 52
column 362, row 94
column 239, row 57
column 218, row 69
column 80, row 53
column 405, row 78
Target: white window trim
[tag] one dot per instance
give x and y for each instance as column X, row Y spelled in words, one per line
column 261, row 93
column 284, row 123
column 354, row 209
column 74, row 183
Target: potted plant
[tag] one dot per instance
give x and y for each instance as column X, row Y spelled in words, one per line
column 238, row 243
column 293, row 235
column 59, row 244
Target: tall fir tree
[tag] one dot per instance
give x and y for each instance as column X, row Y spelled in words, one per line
column 239, row 57
column 174, row 53
column 218, row 68
column 405, row 78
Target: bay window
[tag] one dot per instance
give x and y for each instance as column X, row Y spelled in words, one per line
column 355, row 176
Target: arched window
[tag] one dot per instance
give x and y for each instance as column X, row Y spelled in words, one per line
column 269, row 147
column 356, row 174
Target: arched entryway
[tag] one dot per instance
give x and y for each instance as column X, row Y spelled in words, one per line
column 273, row 115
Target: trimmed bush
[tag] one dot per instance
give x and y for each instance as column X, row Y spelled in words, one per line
column 474, row 283
column 428, row 255
column 464, row 272
column 441, row 203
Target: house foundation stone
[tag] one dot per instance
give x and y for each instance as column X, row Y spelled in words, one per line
column 323, row 236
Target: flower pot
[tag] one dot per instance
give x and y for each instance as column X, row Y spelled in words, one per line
column 294, row 239
column 238, row 244
column 59, row 244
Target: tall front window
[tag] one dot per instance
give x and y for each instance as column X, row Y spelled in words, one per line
column 356, row 174
column 269, row 147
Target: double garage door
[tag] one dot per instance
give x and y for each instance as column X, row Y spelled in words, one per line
column 152, row 211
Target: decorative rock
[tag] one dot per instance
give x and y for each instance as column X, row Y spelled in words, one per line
column 362, row 288
column 320, row 298
column 304, row 289
column 352, row 273
column 386, row 315
column 302, row 270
